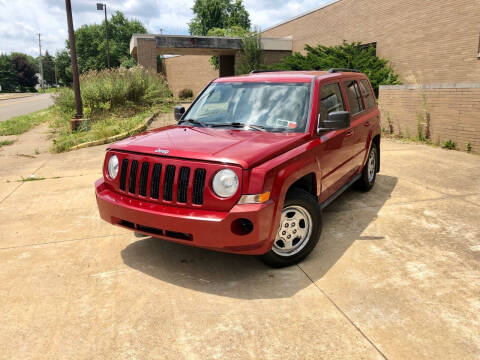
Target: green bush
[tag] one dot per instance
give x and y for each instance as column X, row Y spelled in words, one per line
column 449, row 144
column 348, row 55
column 185, row 94
column 109, row 90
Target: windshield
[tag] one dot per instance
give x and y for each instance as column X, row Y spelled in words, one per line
column 278, row 107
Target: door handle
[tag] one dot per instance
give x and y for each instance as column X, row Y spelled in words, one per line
column 349, row 133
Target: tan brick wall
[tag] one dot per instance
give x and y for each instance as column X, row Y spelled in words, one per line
column 190, row 71
column 454, row 111
column 426, row 41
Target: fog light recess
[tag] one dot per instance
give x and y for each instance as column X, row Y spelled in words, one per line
column 242, row 227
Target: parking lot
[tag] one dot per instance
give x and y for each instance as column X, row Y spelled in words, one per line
column 396, row 274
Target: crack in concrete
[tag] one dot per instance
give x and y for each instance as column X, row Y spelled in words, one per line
column 6, row 197
column 344, row 314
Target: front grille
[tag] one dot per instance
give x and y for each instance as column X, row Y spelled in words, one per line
column 161, row 182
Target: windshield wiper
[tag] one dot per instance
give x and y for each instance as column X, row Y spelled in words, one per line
column 239, row 125
column 192, row 121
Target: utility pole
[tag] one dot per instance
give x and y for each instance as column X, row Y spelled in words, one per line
column 104, row 7
column 56, row 73
column 73, row 58
column 40, row 61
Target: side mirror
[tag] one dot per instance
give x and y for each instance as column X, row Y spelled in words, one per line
column 336, row 120
column 179, row 111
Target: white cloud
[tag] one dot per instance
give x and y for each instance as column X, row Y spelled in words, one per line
column 21, row 20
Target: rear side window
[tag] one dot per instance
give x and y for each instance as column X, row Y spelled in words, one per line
column 367, row 94
column 354, row 97
column 330, row 100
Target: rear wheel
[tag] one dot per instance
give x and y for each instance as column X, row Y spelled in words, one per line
column 369, row 172
column 298, row 232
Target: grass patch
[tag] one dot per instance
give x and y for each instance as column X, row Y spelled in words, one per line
column 110, row 125
column 20, row 124
column 6, row 142
column 115, row 101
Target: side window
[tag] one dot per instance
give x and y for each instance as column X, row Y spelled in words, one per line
column 354, row 97
column 367, row 94
column 330, row 100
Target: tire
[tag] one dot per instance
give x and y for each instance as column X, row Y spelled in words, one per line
column 369, row 172
column 301, row 215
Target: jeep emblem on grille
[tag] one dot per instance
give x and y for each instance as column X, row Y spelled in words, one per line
column 162, row 151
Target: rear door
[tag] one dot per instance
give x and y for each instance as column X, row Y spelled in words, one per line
column 356, row 107
column 370, row 118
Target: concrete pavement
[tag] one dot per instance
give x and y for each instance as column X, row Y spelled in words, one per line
column 21, row 106
column 396, row 273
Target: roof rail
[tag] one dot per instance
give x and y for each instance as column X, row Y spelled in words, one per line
column 336, row 70
column 263, row 71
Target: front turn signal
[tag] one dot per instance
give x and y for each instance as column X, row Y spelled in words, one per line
column 254, row 199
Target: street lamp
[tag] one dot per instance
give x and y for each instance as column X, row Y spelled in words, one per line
column 101, row 7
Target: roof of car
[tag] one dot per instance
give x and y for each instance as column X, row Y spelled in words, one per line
column 283, row 76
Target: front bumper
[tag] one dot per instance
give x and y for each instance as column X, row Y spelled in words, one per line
column 214, row 230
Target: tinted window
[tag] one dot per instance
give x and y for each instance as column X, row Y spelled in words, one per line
column 354, row 97
column 367, row 94
column 330, row 100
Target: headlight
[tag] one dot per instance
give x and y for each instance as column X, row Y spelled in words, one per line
column 225, row 183
column 113, row 167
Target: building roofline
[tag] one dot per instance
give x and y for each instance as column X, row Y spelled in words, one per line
column 331, row 2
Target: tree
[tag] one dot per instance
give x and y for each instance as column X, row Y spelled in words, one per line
column 26, row 69
column 64, row 67
column 348, row 55
column 48, row 63
column 251, row 56
column 234, row 31
column 8, row 74
column 91, row 42
column 223, row 14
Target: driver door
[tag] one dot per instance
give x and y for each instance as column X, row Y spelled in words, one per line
column 335, row 146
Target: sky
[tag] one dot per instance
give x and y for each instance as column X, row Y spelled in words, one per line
column 22, row 20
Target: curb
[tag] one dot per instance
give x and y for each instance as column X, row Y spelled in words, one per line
column 16, row 97
column 121, row 136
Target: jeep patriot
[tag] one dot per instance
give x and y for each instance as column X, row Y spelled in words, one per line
column 250, row 165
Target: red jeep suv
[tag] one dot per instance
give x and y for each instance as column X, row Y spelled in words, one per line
column 250, row 165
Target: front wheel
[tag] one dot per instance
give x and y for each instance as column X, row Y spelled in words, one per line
column 299, row 230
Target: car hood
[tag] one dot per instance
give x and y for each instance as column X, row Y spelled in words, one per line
column 246, row 148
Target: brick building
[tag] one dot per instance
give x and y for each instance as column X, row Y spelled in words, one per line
column 433, row 45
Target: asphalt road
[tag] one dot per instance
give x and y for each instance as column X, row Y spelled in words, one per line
column 21, row 106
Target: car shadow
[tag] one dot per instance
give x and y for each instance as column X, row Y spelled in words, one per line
column 245, row 277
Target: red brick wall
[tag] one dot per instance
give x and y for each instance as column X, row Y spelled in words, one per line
column 454, row 111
